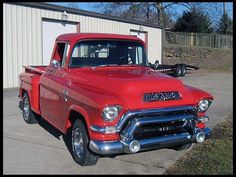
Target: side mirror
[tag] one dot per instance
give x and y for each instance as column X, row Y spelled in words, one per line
column 55, row 63
column 155, row 65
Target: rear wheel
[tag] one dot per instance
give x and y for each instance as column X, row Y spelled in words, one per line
column 80, row 141
column 177, row 70
column 28, row 115
column 183, row 70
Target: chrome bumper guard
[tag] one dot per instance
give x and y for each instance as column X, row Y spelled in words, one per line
column 128, row 143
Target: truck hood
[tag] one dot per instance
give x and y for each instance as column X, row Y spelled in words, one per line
column 129, row 83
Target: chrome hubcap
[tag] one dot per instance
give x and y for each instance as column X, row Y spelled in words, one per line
column 26, row 108
column 78, row 142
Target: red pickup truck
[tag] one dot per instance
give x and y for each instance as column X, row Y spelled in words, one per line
column 100, row 90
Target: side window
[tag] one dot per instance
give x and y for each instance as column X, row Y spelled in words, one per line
column 139, row 55
column 61, row 53
column 135, row 55
column 65, row 54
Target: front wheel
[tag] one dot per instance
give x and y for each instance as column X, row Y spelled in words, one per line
column 80, row 141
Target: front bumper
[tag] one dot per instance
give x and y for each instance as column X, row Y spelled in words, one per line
column 128, row 126
column 120, row 147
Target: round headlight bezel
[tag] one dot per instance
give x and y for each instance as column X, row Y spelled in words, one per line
column 204, row 104
column 111, row 112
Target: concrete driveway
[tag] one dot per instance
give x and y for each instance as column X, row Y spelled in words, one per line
column 37, row 149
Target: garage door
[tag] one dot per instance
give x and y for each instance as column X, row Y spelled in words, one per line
column 52, row 29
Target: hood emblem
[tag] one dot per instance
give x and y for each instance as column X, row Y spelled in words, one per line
column 161, row 96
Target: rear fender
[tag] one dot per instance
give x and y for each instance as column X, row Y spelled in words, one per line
column 30, row 84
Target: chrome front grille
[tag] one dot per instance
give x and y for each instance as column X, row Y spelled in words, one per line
column 159, row 129
column 165, row 113
column 144, row 129
column 157, row 122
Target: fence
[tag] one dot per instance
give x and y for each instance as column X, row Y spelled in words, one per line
column 200, row 39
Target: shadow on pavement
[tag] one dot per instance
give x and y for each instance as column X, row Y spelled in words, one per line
column 52, row 130
column 56, row 133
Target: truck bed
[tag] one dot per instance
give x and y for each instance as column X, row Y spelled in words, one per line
column 29, row 82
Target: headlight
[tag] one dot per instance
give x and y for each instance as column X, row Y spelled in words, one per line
column 203, row 105
column 109, row 113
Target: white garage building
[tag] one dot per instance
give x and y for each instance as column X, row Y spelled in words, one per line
column 29, row 31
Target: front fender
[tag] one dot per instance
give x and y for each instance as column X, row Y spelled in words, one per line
column 85, row 115
column 198, row 94
column 79, row 110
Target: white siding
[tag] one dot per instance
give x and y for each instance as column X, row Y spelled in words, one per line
column 22, row 37
column 4, row 49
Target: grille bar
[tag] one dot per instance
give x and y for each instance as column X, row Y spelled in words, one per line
column 152, row 112
column 131, row 127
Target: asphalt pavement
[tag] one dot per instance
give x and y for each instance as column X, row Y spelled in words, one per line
column 39, row 149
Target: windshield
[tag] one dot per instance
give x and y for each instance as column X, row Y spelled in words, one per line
column 107, row 52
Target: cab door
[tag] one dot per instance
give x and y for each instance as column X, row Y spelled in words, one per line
column 53, row 87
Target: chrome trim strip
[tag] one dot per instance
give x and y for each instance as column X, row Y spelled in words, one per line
column 141, row 112
column 102, row 130
column 98, row 129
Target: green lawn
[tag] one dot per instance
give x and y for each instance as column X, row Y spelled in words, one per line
column 213, row 157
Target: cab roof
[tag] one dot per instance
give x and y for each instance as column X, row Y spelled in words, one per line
column 75, row 37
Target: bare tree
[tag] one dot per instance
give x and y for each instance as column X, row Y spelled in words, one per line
column 151, row 12
column 161, row 13
column 155, row 12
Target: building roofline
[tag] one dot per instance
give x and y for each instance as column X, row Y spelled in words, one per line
column 43, row 5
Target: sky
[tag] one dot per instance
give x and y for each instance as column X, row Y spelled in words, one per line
column 90, row 6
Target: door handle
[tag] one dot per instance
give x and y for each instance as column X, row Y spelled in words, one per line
column 68, row 82
column 65, row 94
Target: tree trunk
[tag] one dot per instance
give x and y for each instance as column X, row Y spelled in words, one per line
column 160, row 13
column 164, row 41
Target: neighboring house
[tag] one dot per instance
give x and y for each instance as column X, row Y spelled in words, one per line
column 29, row 31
